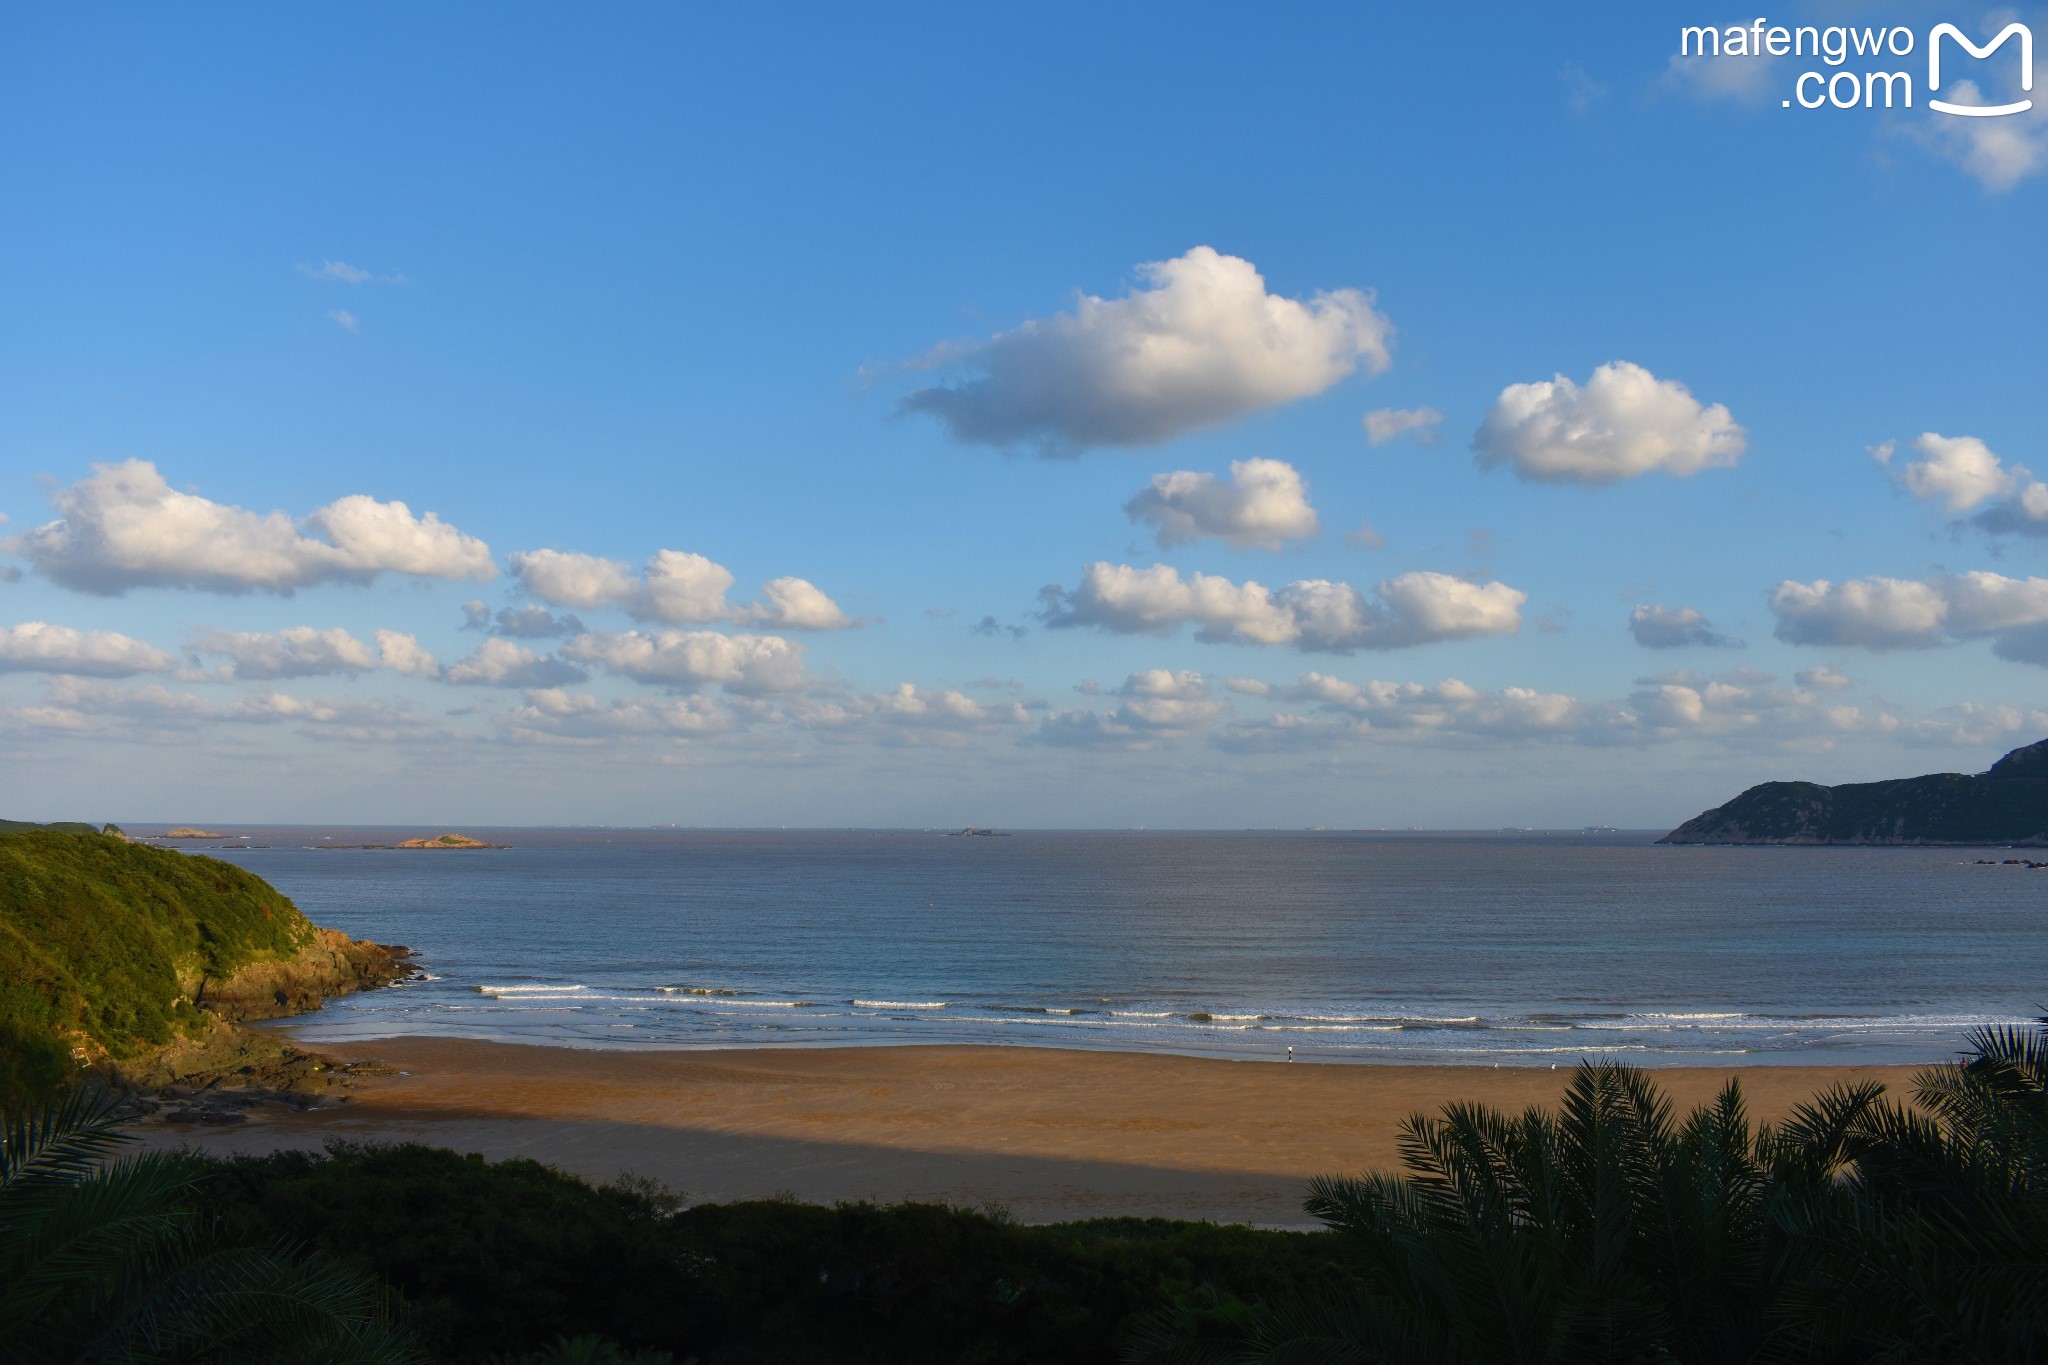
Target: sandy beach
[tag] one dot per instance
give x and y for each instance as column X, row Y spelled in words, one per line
column 1047, row 1133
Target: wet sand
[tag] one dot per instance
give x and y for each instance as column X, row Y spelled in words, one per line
column 1047, row 1133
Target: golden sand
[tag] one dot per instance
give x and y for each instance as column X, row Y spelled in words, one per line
column 1048, row 1133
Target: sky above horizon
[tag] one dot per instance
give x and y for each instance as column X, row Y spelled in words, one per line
column 1043, row 415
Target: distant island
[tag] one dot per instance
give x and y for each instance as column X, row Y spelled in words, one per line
column 438, row 841
column 2008, row 804
column 972, row 833
column 187, row 832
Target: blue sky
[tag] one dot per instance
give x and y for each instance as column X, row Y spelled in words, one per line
column 614, row 283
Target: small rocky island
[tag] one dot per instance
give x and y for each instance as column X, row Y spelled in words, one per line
column 2007, row 805
column 438, row 841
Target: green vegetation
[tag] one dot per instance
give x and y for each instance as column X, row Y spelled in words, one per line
column 1860, row 1230
column 59, row 826
column 2006, row 805
column 1612, row 1230
column 107, row 1261
column 104, row 942
column 495, row 1258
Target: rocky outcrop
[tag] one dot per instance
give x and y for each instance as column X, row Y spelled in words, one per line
column 332, row 964
column 2006, row 805
column 212, row 1075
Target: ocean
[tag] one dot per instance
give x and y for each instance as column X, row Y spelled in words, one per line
column 1408, row 947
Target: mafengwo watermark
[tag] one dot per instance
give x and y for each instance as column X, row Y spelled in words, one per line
column 1868, row 67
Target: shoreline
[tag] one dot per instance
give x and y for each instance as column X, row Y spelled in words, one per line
column 1048, row 1133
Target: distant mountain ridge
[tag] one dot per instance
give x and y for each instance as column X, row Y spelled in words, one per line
column 2007, row 805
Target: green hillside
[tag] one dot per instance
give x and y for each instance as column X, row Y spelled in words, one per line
column 103, row 944
column 2004, row 806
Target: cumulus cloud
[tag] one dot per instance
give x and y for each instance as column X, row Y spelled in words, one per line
column 1895, row 613
column 1998, row 153
column 1959, row 472
column 527, row 621
column 907, row 715
column 1313, row 614
column 1656, row 627
column 1742, row 707
column 39, row 647
column 125, row 527
column 82, row 706
column 1387, row 424
column 402, row 653
column 1200, row 344
column 557, row 715
column 689, row 659
column 793, row 604
column 1823, row 679
column 501, row 663
column 1625, row 422
column 295, row 652
column 675, row 588
column 1964, row 475
column 371, row 721
column 1158, row 704
column 345, row 320
column 1264, row 506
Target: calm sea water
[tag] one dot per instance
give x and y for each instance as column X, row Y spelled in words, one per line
column 1363, row 947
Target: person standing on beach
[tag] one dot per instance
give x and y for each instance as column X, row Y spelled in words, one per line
column 1290, row 1052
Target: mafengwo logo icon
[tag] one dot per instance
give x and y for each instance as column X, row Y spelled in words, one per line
column 1861, row 68
column 2026, row 53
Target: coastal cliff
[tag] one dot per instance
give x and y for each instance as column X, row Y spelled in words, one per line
column 142, row 964
column 2005, row 805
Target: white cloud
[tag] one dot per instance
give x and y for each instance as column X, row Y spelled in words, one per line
column 1314, row 614
column 39, row 647
column 347, row 721
column 500, row 663
column 125, row 527
column 908, row 715
column 681, row 589
column 565, row 579
column 402, row 653
column 341, row 272
column 345, row 320
column 1958, row 471
column 1202, row 343
column 1964, row 475
column 1821, row 678
column 1997, row 153
column 1624, row 423
column 1895, row 613
column 1264, row 506
column 295, row 652
column 1386, row 424
column 551, row 713
column 1743, row 707
column 675, row 589
column 1656, row 627
column 794, row 604
column 689, row 659
column 1166, row 684
column 527, row 621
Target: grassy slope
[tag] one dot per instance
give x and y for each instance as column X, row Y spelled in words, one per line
column 100, row 939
